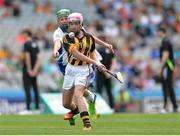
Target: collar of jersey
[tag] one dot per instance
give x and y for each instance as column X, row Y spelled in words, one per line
column 63, row 29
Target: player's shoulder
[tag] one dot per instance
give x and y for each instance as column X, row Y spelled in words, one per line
column 66, row 38
column 58, row 31
column 27, row 43
column 166, row 41
column 88, row 34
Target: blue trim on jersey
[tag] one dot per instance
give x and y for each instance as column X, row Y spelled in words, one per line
column 92, row 79
column 63, row 29
column 62, row 68
column 60, row 60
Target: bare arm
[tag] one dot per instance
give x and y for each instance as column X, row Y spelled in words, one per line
column 82, row 57
column 57, row 46
column 113, row 65
column 104, row 44
column 165, row 56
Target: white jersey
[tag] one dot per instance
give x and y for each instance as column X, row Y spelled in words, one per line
column 58, row 35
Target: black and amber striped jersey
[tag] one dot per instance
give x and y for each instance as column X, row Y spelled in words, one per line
column 85, row 45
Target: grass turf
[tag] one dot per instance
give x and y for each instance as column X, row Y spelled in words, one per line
column 115, row 124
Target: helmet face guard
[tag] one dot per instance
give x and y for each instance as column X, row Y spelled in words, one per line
column 60, row 15
column 75, row 17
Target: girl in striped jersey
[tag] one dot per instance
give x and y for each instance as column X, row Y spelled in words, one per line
column 80, row 50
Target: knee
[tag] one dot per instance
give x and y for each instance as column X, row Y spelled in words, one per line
column 78, row 95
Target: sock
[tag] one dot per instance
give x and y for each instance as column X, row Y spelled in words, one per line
column 91, row 96
column 85, row 117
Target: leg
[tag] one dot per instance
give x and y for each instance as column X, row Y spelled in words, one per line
column 67, row 99
column 92, row 106
column 68, row 87
column 69, row 104
column 27, row 84
column 173, row 97
column 109, row 93
column 164, row 89
column 79, row 100
column 164, row 75
column 78, row 95
column 171, row 91
column 99, row 84
column 89, row 95
column 36, row 91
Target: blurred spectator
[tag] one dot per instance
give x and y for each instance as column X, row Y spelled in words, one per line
column 104, row 80
column 48, row 7
column 16, row 10
column 31, row 67
column 51, row 26
column 1, row 3
column 167, row 65
column 121, row 101
column 42, row 40
column 4, row 52
column 12, row 8
column 8, row 3
column 177, row 74
column 38, row 8
column 110, row 29
column 43, row 8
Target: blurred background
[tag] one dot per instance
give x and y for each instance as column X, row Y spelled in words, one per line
column 129, row 25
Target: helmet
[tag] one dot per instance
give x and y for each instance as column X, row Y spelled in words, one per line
column 74, row 17
column 63, row 12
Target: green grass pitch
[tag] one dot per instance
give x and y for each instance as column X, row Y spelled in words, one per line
column 115, row 124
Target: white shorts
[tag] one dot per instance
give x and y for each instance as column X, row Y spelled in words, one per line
column 76, row 75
